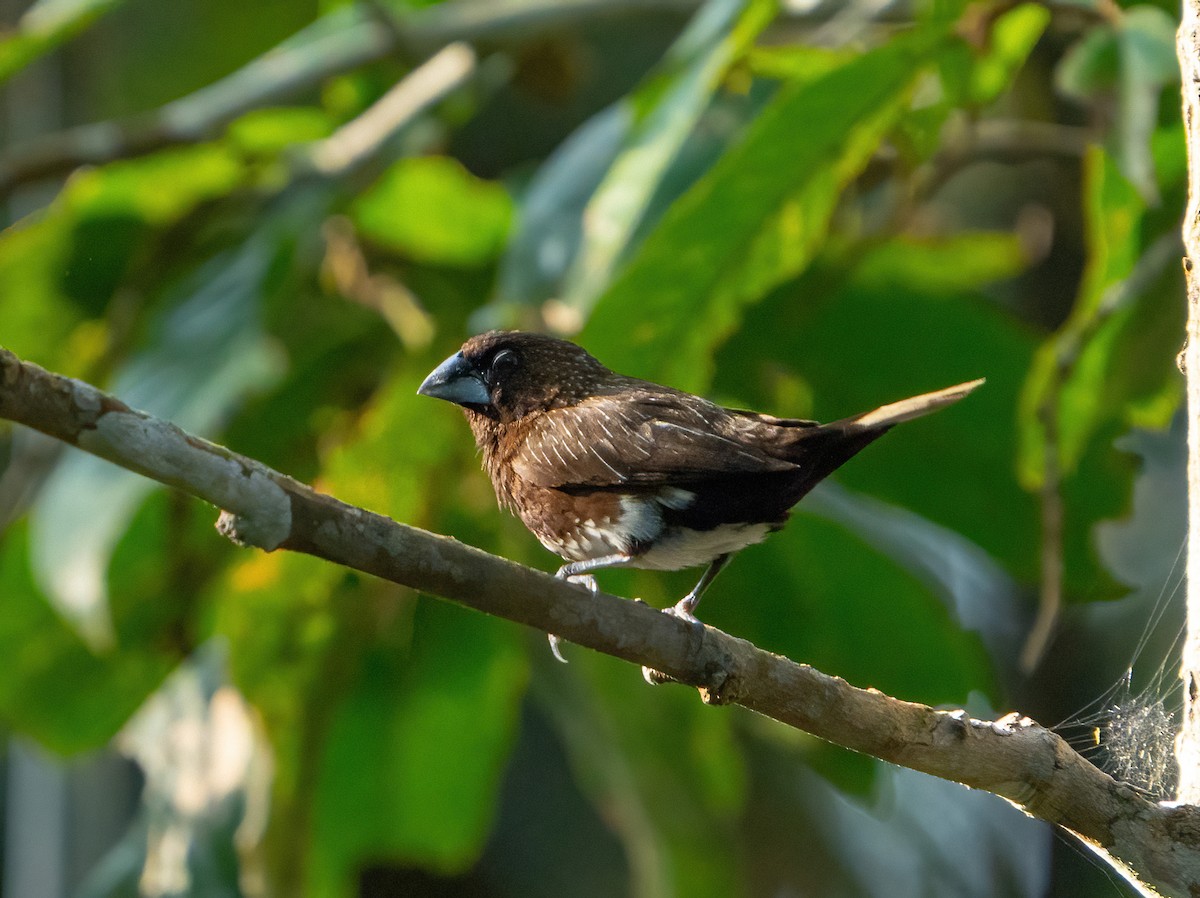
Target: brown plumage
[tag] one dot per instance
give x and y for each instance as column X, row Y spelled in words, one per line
column 608, row 470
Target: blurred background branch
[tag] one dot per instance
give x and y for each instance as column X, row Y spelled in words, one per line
column 334, row 44
column 346, row 39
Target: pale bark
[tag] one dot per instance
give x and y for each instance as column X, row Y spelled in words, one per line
column 1187, row 746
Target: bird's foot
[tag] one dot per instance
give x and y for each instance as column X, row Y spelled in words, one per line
column 585, row 580
column 681, row 610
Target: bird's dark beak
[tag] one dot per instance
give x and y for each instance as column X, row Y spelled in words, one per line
column 456, row 380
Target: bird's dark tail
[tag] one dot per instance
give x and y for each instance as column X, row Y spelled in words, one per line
column 823, row 449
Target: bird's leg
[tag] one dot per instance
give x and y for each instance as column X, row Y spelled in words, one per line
column 685, row 607
column 579, row 572
column 683, row 610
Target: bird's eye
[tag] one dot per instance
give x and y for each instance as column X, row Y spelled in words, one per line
column 504, row 362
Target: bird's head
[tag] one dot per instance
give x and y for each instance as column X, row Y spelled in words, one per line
column 505, row 375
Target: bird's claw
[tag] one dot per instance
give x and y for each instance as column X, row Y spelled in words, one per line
column 589, row 583
column 555, row 647
column 681, row 610
column 654, row 677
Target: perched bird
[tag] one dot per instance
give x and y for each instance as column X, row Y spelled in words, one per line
column 611, row 471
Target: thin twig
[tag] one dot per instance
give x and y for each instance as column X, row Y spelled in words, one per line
column 1051, row 499
column 1069, row 345
column 361, row 138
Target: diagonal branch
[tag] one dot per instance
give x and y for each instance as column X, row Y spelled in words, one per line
column 1012, row 757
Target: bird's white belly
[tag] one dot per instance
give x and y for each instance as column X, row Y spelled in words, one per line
column 690, row 548
column 640, row 524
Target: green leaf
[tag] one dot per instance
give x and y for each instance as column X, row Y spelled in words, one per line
column 665, row 773
column 1076, row 374
column 1090, row 65
column 796, row 63
column 1133, row 59
column 270, row 131
column 56, row 689
column 208, row 352
column 550, row 225
column 38, row 322
column 948, row 266
column 822, row 594
column 626, row 164
column 62, row 265
column 1148, row 63
column 853, row 333
column 433, row 210
column 667, row 111
column 1148, row 36
column 1012, row 38
column 682, row 292
column 416, row 750
column 159, row 189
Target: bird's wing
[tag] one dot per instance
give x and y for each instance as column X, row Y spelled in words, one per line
column 644, row 438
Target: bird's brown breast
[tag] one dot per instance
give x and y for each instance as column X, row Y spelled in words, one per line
column 575, row 527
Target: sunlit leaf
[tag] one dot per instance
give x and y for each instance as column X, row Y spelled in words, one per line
column 432, row 210
column 666, row 112
column 1013, row 36
column 158, row 189
column 948, row 266
column 206, row 354
column 267, row 131
column 795, row 62
column 682, row 292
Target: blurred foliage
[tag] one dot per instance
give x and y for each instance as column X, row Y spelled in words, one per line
column 807, row 213
column 43, row 27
